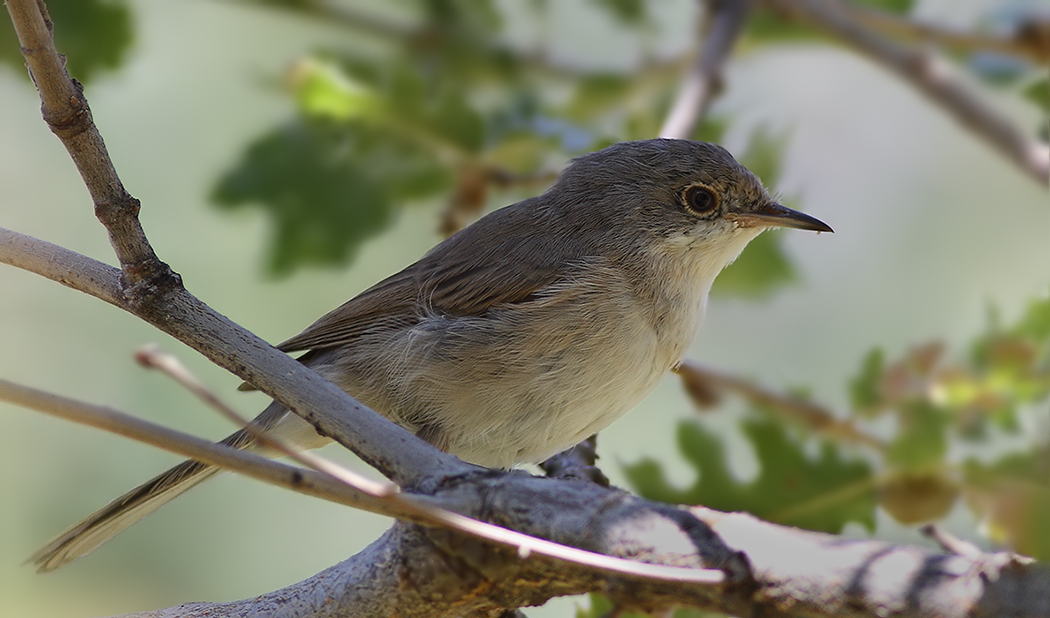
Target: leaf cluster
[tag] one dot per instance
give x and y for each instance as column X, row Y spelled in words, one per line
column 942, row 407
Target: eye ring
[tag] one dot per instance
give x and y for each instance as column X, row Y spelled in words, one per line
column 700, row 199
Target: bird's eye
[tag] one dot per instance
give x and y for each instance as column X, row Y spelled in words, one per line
column 700, row 199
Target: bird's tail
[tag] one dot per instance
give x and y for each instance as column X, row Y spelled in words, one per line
column 118, row 515
column 115, row 517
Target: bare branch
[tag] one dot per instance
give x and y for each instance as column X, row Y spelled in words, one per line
column 67, row 113
column 69, row 268
column 949, row 542
column 818, row 418
column 368, row 496
column 153, row 358
column 933, row 77
column 1024, row 43
column 724, row 19
column 846, row 577
column 155, row 294
column 108, row 419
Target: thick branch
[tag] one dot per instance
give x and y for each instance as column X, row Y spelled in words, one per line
column 818, row 574
column 366, row 496
column 389, row 447
column 798, row 573
column 724, row 20
column 155, row 294
column 933, row 77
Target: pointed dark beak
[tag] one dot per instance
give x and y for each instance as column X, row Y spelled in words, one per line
column 775, row 215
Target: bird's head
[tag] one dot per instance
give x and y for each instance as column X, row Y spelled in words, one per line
column 674, row 198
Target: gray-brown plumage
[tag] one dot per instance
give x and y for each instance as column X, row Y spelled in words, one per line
column 528, row 331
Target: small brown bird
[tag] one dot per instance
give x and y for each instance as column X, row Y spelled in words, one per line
column 528, row 331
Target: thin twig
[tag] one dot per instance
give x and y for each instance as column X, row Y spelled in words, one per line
column 1027, row 47
column 66, row 111
column 152, row 357
column 951, row 543
column 107, row 419
column 411, row 508
column 931, row 75
column 152, row 292
column 724, row 19
column 813, row 415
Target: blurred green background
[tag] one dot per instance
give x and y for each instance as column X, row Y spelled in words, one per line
column 237, row 104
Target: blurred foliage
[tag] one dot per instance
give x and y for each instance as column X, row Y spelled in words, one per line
column 94, row 35
column 327, row 188
column 452, row 95
column 936, row 403
column 900, row 7
column 824, row 492
column 1038, row 92
column 601, row 607
column 627, row 11
column 448, row 110
column 763, row 267
column 470, row 118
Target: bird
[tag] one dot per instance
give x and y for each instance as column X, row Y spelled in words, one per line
column 526, row 332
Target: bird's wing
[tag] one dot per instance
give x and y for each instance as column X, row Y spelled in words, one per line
column 463, row 276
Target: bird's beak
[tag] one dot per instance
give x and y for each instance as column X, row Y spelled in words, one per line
column 775, row 215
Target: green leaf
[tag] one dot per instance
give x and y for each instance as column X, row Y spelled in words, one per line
column 763, row 154
column 711, row 129
column 760, row 270
column 396, row 100
column 1035, row 322
column 821, row 493
column 323, row 90
column 763, row 267
column 766, row 26
column 595, row 94
column 327, row 188
column 921, row 440
column 626, row 11
column 864, row 388
column 1039, row 93
column 1012, row 497
column 602, row 606
column 900, row 7
column 94, row 35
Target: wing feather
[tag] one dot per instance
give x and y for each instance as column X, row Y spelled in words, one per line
column 503, row 258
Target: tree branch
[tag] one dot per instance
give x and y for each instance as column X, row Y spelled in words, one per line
column 67, row 114
column 724, row 19
column 932, row 76
column 69, row 268
column 700, row 381
column 843, row 577
column 155, row 294
column 1025, row 42
column 339, row 488
column 107, row 419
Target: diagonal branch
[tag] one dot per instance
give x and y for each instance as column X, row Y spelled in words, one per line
column 151, row 291
column 932, row 76
column 724, row 19
column 367, row 496
column 1028, row 40
column 68, row 116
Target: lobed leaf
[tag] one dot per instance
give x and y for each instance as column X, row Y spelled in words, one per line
column 818, row 493
column 94, row 35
